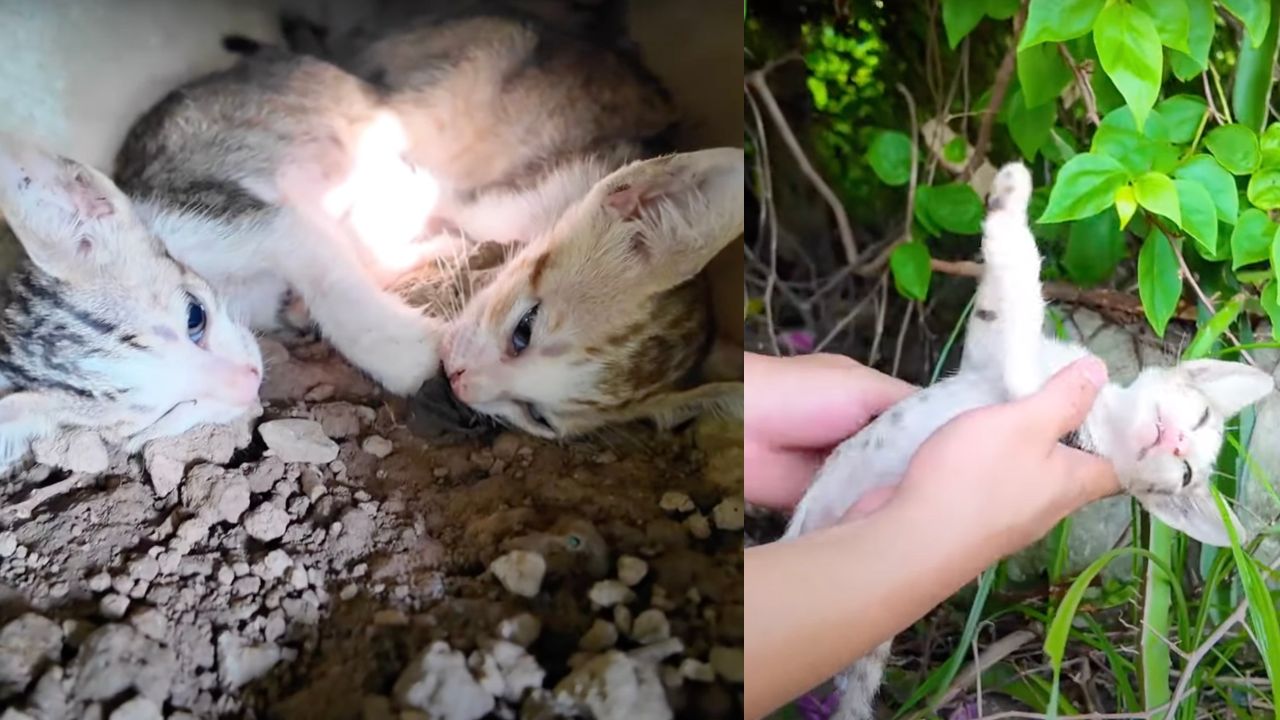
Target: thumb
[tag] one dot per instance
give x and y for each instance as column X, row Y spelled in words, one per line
column 1064, row 401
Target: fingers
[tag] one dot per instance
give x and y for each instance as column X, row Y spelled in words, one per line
column 776, row 478
column 1086, row 477
column 813, row 401
column 1063, row 403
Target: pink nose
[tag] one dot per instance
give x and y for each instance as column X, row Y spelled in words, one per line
column 244, row 385
column 1172, row 440
column 459, row 384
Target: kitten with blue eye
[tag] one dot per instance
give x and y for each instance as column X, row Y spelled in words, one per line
column 1162, row 432
column 102, row 328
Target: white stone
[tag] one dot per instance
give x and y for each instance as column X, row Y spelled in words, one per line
column 613, row 686
column 607, row 593
column 602, row 636
column 730, row 514
column 440, row 684
column 631, row 570
column 676, row 501
column 650, row 626
column 520, row 572
column 266, row 522
column 377, row 446
column 298, row 440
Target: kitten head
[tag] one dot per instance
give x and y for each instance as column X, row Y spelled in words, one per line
column 605, row 319
column 104, row 329
column 1168, row 436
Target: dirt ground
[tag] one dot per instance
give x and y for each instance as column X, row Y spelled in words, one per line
column 325, row 561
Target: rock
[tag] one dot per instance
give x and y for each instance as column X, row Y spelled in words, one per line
column 607, row 593
column 113, row 606
column 117, row 657
column 631, row 570
column 622, row 618
column 520, row 572
column 216, row 494
column 697, row 671
column 602, row 636
column 240, row 663
column 150, row 622
column 522, row 629
column 439, row 683
column 729, row 515
column 650, row 626
column 698, row 526
column 676, row 501
column 342, row 420
column 266, row 522
column 377, row 446
column 166, row 458
column 655, row 653
column 139, row 708
column 727, row 663
column 297, row 440
column 613, row 686
column 27, row 644
column 74, row 449
column 275, row 564
column 263, row 475
column 8, row 544
column 517, row 670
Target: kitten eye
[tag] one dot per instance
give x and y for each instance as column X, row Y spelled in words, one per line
column 532, row 411
column 197, row 319
column 1186, row 473
column 1203, row 419
column 523, row 334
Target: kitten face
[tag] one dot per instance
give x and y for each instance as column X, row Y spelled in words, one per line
column 1169, row 434
column 599, row 320
column 107, row 330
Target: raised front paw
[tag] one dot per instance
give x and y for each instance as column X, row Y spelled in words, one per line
column 400, row 357
column 1011, row 190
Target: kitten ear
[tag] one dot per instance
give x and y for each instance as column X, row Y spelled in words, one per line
column 671, row 409
column 1229, row 386
column 1195, row 513
column 69, row 217
column 679, row 211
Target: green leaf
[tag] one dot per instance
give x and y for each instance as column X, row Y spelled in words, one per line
column 1156, row 128
column 1199, row 217
column 954, row 207
column 1030, row 126
column 1042, row 74
column 1182, row 115
column 1129, row 48
column 1271, row 305
column 1235, row 146
column 1159, row 283
column 960, row 17
column 1196, row 59
column 890, row 157
column 1220, row 184
column 1002, row 9
column 1255, row 14
column 1269, row 144
column 1085, row 186
column 1157, row 193
column 1252, row 239
column 1172, row 19
column 1264, row 189
column 1209, row 332
column 909, row 263
column 818, row 89
column 956, row 150
column 1095, row 246
column 1131, row 148
column 1126, row 205
column 1058, row 20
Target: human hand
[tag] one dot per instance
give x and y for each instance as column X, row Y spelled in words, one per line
column 796, row 409
column 1002, row 468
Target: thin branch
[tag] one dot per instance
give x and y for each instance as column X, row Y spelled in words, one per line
column 1082, row 80
column 902, row 336
column 1003, row 77
column 756, row 81
column 915, row 163
column 769, row 210
column 848, row 318
column 995, row 652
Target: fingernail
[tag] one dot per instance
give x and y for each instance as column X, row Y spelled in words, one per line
column 1095, row 370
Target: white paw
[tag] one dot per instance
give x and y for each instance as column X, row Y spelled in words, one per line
column 1011, row 190
column 401, row 356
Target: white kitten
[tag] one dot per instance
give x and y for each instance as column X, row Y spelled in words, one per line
column 1162, row 432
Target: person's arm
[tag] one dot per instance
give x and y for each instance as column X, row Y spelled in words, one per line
column 985, row 485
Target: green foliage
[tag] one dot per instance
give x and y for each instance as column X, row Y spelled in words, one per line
column 911, row 270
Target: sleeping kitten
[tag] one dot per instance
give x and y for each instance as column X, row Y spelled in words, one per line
column 101, row 328
column 285, row 173
column 1162, row 432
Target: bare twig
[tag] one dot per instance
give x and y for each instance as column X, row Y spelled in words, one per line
column 40, row 496
column 995, row 652
column 1082, row 81
column 756, row 81
column 767, row 210
column 1213, row 106
column 882, row 311
column 902, row 336
column 915, row 162
column 1004, row 74
column 848, row 318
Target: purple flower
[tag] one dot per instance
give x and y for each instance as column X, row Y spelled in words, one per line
column 815, row 707
column 967, row 710
column 798, row 342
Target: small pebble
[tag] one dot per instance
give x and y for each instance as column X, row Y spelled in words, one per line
column 622, row 618
column 100, row 582
column 607, row 593
column 377, row 446
column 698, row 526
column 602, row 636
column 520, row 572
column 631, row 570
column 650, row 626
column 730, row 514
column 114, row 606
column 676, row 501
column 522, row 629
column 697, row 671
